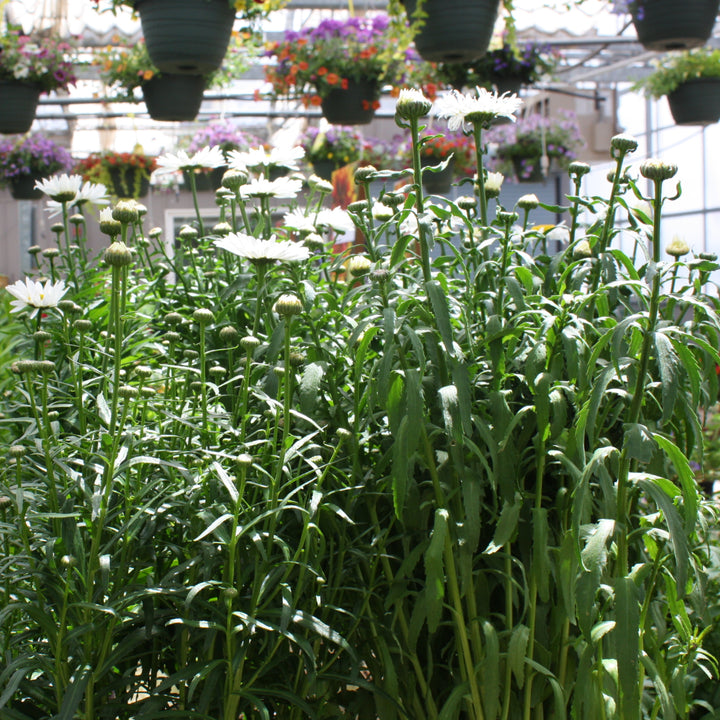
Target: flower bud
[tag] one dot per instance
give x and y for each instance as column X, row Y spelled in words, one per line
column 51, row 252
column 229, row 335
column 217, row 371
column 57, row 228
column 108, row 224
column 155, row 232
column 187, row 233
column 16, row 451
column 578, row 169
column 493, row 184
column 528, row 202
column 288, row 305
column 358, row 265
column 125, row 212
column 382, row 212
column 249, row 343
column 412, row 104
column 173, row 336
column 42, row 336
column 314, row 241
column 222, row 228
column 234, row 178
column 173, row 318
column 118, row 254
column 317, row 183
column 624, row 143
column 244, row 460
column 582, row 250
column 82, row 325
column 677, row 247
column 203, row 316
column 296, row 358
column 466, row 202
column 128, row 392
column 655, row 169
column 77, row 219
column 191, row 354
column 357, row 206
column 365, row 174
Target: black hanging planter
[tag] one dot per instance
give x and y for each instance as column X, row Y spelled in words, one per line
column 324, row 169
column 174, row 96
column 354, row 105
column 23, row 187
column 696, row 102
column 663, row 25
column 18, row 105
column 454, row 31
column 186, row 36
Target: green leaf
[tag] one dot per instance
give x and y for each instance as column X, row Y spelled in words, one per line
column 627, row 644
column 434, row 569
column 668, row 709
column 309, row 387
column 226, row 481
column 685, row 475
column 668, row 365
column 74, row 694
column 491, row 686
column 638, row 442
column 439, row 305
column 507, row 524
column 541, row 565
column 517, row 650
column 594, row 554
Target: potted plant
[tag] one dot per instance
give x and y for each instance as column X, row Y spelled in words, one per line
column 691, row 82
column 127, row 174
column 29, row 67
column 30, row 158
column 663, row 25
column 506, row 68
column 339, row 65
column 223, row 134
column 331, row 148
column 191, row 36
column 170, row 96
column 386, row 154
column 454, row 147
column 534, row 146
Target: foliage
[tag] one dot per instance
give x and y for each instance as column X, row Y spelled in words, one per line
column 32, row 154
column 677, row 68
column 96, row 167
column 43, row 61
column 380, row 483
column 338, row 143
column 533, row 136
column 311, row 62
column 527, row 64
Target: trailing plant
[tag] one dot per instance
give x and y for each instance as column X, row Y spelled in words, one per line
column 97, row 168
column 678, row 68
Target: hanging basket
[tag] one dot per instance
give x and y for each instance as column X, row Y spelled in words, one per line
column 696, row 102
column 528, row 170
column 437, row 183
column 23, row 187
column 125, row 183
column 324, row 169
column 174, row 96
column 186, row 36
column 18, row 105
column 354, row 105
column 663, row 25
column 508, row 85
column 454, row 31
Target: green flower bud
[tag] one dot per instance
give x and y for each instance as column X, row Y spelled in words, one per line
column 155, row 232
column 187, row 233
column 217, row 371
column 677, row 247
column 76, row 219
column 412, row 104
column 42, row 336
column 365, row 173
column 528, row 202
column 655, row 169
column 82, row 325
column 57, row 228
column 466, row 202
column 173, row 318
column 245, row 460
column 16, row 451
column 51, row 252
column 222, row 228
column 582, row 250
column 203, row 316
column 173, row 337
column 234, row 179
column 118, row 254
column 624, row 143
column 578, row 169
column 249, row 343
column 229, row 335
column 128, row 392
column 288, row 305
column 125, row 212
column 322, row 186
column 358, row 265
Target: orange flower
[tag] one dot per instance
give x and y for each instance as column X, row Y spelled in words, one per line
column 322, row 70
column 332, row 78
column 303, row 65
column 344, row 84
column 315, row 100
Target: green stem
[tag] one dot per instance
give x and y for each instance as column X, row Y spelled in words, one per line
column 419, row 200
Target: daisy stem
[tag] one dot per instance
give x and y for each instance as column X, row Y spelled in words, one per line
column 193, row 188
column 477, row 132
column 419, row 201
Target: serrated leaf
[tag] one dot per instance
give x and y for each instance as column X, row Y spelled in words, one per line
column 435, row 570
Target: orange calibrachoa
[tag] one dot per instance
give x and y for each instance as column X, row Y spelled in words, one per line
column 313, row 61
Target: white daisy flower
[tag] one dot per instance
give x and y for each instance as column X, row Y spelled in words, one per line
column 89, row 192
column 258, row 157
column 482, row 107
column 282, row 187
column 337, row 219
column 61, row 188
column 261, row 250
column 382, row 212
column 204, row 159
column 298, row 221
column 29, row 293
